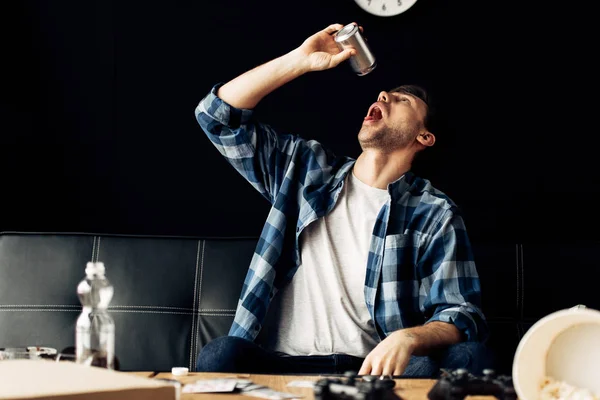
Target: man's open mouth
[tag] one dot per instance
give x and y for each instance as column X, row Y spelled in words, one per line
column 375, row 114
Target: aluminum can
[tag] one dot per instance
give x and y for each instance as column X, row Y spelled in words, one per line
column 363, row 61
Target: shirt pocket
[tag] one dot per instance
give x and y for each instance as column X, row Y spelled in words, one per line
column 400, row 257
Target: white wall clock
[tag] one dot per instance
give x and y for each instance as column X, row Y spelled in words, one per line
column 385, row 8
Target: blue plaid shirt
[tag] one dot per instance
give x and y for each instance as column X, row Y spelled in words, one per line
column 420, row 266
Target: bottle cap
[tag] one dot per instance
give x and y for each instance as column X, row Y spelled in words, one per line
column 179, row 371
column 94, row 268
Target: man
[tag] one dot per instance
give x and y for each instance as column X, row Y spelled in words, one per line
column 373, row 263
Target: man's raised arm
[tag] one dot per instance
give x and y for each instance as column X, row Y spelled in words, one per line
column 318, row 52
column 254, row 149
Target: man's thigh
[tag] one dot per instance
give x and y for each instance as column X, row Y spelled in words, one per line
column 234, row 354
column 473, row 356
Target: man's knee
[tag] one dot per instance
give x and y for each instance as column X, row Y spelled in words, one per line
column 222, row 354
column 421, row 367
column 473, row 356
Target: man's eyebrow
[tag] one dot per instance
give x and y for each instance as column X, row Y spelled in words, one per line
column 402, row 94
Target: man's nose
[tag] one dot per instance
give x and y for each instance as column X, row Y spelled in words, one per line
column 383, row 96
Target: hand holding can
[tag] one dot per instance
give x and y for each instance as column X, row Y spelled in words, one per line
column 363, row 61
column 320, row 52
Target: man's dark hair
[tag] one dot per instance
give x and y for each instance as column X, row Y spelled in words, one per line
column 421, row 93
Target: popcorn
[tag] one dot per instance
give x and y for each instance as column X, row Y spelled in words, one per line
column 552, row 389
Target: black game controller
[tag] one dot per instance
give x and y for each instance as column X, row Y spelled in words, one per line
column 458, row 384
column 368, row 387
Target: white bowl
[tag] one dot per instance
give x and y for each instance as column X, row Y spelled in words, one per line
column 564, row 345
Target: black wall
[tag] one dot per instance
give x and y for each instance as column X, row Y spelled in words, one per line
column 98, row 134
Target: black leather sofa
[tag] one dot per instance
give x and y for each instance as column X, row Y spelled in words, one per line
column 175, row 294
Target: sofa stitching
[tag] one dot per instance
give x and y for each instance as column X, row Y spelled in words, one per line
column 152, row 312
column 217, row 314
column 93, row 249
column 39, row 305
column 204, row 310
column 165, row 307
column 214, row 314
column 116, row 311
column 199, row 297
column 98, row 248
column 119, row 235
column 194, row 307
column 37, row 309
column 172, row 312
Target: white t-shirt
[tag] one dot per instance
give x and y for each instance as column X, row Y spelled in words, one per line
column 322, row 310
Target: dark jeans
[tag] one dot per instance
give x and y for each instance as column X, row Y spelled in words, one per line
column 233, row 354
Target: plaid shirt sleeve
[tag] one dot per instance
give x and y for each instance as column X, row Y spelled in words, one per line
column 451, row 292
column 253, row 149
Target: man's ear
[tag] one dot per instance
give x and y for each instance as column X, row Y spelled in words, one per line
column 427, row 139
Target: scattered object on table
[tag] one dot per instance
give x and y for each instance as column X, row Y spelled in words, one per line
column 553, row 389
column 355, row 387
column 230, row 385
column 458, row 384
column 29, row 352
column 223, row 385
column 268, row 393
column 306, row 384
column 180, row 371
column 243, row 383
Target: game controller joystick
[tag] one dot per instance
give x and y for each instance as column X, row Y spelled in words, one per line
column 368, row 387
column 458, row 384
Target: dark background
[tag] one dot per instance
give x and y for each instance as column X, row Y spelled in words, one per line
column 97, row 129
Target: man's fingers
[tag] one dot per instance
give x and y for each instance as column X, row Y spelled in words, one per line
column 365, row 368
column 389, row 368
column 333, row 28
column 342, row 56
column 399, row 368
column 377, row 369
column 359, row 26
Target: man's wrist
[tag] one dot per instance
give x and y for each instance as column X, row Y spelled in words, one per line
column 408, row 340
column 297, row 61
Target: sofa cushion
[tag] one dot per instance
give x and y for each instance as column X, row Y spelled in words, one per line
column 175, row 294
column 172, row 295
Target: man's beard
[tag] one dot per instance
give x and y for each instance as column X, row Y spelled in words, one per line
column 386, row 138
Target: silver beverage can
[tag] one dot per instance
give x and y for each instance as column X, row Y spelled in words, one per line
column 363, row 61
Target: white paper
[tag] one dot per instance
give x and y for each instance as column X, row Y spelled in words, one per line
column 211, row 386
column 304, row 384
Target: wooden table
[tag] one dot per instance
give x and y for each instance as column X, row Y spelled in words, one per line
column 407, row 389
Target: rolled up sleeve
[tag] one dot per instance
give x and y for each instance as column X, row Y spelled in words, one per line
column 450, row 291
column 254, row 149
column 213, row 109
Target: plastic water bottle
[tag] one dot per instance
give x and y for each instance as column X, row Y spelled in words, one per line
column 95, row 330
